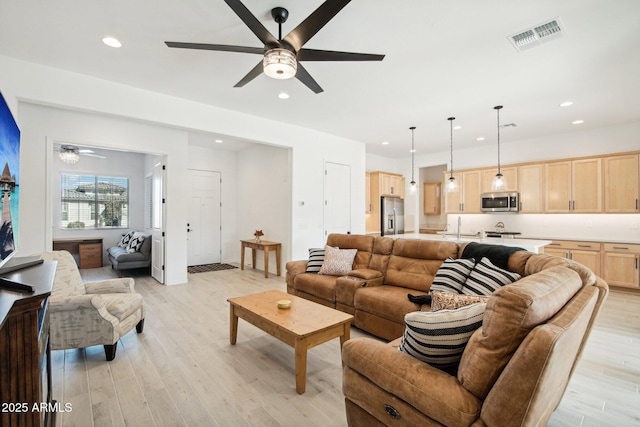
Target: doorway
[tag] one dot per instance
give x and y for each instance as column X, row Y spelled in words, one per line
column 337, row 198
column 204, row 227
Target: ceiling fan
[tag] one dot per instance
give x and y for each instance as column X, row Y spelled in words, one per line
column 70, row 154
column 282, row 56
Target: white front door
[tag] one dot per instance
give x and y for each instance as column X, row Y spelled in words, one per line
column 337, row 198
column 157, row 221
column 205, row 218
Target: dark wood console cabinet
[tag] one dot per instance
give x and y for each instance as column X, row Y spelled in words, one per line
column 25, row 355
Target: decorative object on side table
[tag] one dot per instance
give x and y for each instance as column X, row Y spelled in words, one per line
column 258, row 234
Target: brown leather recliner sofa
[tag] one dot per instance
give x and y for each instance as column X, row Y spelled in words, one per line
column 514, row 369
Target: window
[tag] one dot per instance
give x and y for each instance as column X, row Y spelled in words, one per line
column 94, row 201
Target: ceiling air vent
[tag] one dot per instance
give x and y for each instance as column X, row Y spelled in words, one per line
column 537, row 35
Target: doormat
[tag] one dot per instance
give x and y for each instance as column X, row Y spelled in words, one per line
column 209, row 267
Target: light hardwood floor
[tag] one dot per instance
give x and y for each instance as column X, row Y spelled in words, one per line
column 182, row 370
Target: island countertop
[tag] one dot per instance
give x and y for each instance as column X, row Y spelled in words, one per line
column 530, row 245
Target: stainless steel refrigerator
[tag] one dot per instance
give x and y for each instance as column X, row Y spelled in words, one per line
column 391, row 215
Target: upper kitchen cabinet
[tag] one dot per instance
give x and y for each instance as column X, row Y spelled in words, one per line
column 622, row 183
column 531, row 188
column 467, row 198
column 573, row 186
column 510, row 173
column 432, row 196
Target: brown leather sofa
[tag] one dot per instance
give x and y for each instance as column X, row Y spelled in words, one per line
column 513, row 371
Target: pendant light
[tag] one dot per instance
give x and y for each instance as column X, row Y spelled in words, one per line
column 499, row 182
column 452, row 184
column 412, row 188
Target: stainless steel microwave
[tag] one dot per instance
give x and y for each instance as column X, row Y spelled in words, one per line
column 499, row 202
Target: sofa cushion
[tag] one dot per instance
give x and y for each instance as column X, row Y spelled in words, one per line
column 449, row 301
column 337, row 262
column 318, row 285
column 68, row 281
column 513, row 311
column 452, row 274
column 121, row 255
column 122, row 305
column 363, row 243
column 316, row 258
column 387, row 302
column 439, row 337
column 486, row 278
column 136, row 242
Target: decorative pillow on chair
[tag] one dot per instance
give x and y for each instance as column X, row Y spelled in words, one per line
column 452, row 274
column 124, row 242
column 439, row 337
column 337, row 262
column 447, row 301
column 135, row 243
column 486, row 278
column 316, row 259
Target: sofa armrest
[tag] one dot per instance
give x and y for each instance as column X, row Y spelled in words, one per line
column 435, row 393
column 365, row 273
column 111, row 286
column 294, row 268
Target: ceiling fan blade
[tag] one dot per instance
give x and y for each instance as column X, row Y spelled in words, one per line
column 252, row 22
column 314, row 22
column 255, row 72
column 332, row 55
column 216, row 47
column 303, row 75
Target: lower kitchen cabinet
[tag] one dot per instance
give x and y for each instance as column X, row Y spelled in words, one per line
column 621, row 265
column 586, row 253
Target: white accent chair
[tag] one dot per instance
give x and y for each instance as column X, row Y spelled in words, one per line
column 92, row 313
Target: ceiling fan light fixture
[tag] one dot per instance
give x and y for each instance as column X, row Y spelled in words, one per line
column 69, row 154
column 280, row 64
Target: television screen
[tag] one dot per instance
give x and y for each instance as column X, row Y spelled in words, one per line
column 9, row 181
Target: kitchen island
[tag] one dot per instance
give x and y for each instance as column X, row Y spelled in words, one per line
column 530, row 245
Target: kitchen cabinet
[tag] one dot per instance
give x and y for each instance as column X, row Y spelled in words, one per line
column 432, row 195
column 622, row 183
column 586, row 253
column 381, row 184
column 509, row 172
column 621, row 265
column 531, row 188
column 573, row 186
column 467, row 198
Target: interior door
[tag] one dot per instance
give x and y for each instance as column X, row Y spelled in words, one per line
column 205, row 218
column 337, row 201
column 157, row 221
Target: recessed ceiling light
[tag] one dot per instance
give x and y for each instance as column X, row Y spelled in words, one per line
column 385, row 142
column 457, row 127
column 219, row 141
column 111, row 41
column 412, row 151
column 283, row 95
column 480, row 138
column 577, row 122
column 566, row 104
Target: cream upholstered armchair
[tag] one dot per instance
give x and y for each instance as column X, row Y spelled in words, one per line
column 93, row 313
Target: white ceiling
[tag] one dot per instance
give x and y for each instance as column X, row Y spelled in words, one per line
column 443, row 58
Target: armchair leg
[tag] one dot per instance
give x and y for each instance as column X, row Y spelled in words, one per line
column 110, row 351
column 140, row 326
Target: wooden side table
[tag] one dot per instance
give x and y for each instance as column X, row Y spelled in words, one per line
column 265, row 246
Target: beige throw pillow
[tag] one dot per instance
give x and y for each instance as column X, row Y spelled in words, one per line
column 337, row 262
column 449, row 301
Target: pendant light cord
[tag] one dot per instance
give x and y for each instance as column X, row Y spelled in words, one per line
column 451, row 119
column 413, row 152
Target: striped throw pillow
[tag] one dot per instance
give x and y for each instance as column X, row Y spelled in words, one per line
column 316, row 258
column 452, row 274
column 486, row 278
column 439, row 337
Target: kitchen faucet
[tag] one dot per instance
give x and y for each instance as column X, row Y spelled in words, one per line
column 500, row 227
column 459, row 225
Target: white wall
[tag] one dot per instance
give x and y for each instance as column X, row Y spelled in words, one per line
column 120, row 117
column 264, row 199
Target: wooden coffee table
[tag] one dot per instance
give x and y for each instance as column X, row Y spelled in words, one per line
column 302, row 326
